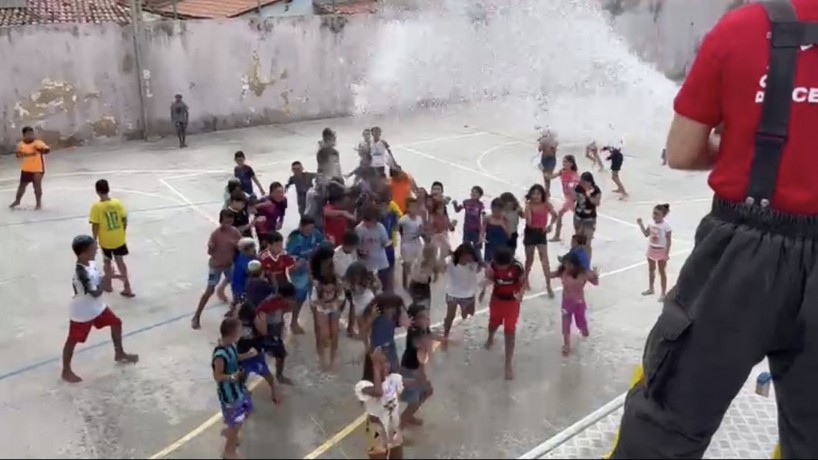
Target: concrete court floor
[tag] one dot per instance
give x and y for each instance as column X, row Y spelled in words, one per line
column 166, row 403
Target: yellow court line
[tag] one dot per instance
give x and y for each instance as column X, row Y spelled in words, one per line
column 347, row 430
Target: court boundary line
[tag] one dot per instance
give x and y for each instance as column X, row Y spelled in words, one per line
column 355, row 424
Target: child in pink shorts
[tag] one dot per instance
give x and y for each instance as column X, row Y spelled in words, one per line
column 658, row 233
column 574, row 278
column 569, row 176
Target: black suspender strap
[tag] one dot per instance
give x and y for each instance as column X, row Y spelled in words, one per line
column 787, row 36
column 771, row 136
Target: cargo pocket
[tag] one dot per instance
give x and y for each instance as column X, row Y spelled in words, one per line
column 663, row 347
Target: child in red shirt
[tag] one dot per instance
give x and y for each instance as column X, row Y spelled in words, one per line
column 507, row 276
column 274, row 262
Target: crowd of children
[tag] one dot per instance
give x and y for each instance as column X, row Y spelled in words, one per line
column 354, row 230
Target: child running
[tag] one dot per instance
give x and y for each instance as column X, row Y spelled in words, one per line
column 439, row 227
column 373, row 241
column 496, row 229
column 410, row 227
column 274, row 309
column 270, row 212
column 474, row 211
column 463, row 272
column 570, row 179
column 419, row 346
column 241, row 267
column 246, row 174
column 234, row 397
column 381, row 318
column 574, row 277
column 301, row 244
column 251, row 343
column 221, row 247
column 535, row 235
column 507, row 276
column 658, row 233
column 616, row 158
column 592, row 153
column 302, row 181
column 547, row 148
column 589, row 197
column 380, row 391
column 88, row 310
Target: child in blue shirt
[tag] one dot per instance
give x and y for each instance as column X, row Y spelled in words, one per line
column 238, row 284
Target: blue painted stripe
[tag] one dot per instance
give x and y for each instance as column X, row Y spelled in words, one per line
column 38, row 364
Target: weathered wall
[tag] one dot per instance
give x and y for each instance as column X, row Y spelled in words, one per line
column 77, row 83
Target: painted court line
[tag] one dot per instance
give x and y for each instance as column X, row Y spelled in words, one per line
column 350, row 428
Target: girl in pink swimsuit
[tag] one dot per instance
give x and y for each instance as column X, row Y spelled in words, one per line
column 574, row 278
column 569, row 176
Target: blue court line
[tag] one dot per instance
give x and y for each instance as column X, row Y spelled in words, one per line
column 36, row 365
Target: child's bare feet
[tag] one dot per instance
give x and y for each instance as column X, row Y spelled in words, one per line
column 195, row 323
column 222, row 296
column 129, row 294
column 566, row 350
column 296, row 329
column 662, row 298
column 489, row 343
column 69, row 376
column 555, row 239
column 509, row 373
column 550, row 292
column 648, row 292
column 284, row 380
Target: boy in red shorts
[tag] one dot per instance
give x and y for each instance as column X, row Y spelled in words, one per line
column 507, row 276
column 88, row 310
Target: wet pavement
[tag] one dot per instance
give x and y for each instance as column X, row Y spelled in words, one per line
column 161, row 404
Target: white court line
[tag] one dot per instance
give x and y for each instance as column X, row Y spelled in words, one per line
column 119, row 171
column 117, row 190
column 685, row 201
column 500, row 180
column 216, row 418
column 446, row 138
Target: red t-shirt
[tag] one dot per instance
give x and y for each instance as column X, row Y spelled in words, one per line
column 507, row 280
column 334, row 226
column 726, row 84
column 273, row 305
column 276, row 266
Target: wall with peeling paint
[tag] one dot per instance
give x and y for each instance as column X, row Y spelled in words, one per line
column 73, row 82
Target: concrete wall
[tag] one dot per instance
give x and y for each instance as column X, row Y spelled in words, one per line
column 77, row 83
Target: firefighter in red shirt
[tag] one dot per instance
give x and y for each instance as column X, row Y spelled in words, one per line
column 749, row 289
column 507, row 276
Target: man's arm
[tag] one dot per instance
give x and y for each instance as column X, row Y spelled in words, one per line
column 689, row 145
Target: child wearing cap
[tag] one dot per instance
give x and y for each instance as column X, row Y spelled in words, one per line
column 88, row 310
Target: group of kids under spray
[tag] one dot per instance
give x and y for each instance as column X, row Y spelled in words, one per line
column 341, row 262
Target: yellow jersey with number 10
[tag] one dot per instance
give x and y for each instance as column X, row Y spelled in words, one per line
column 110, row 216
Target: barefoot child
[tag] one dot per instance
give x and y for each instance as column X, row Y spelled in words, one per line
column 474, row 211
column 345, row 255
column 507, row 276
column 221, row 247
column 589, row 197
column 380, row 390
column 574, row 278
column 422, row 274
column 512, row 212
column 88, row 310
column 569, row 177
column 274, row 262
column 246, row 175
column 30, row 151
column 363, row 286
column 382, row 317
column 658, row 233
column 233, row 395
column 251, row 343
column 327, row 302
column 419, row 341
column 439, row 227
column 592, row 153
column 462, row 281
column 616, row 158
column 535, row 235
column 496, row 230
column 301, row 244
column 410, row 228
column 109, row 223
column 274, row 309
column 270, row 212
column 238, row 283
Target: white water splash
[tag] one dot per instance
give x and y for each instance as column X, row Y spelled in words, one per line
column 553, row 63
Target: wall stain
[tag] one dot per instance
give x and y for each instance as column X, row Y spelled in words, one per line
column 105, row 126
column 52, row 97
column 254, row 81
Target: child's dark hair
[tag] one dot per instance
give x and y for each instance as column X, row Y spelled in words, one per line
column 580, row 239
column 414, row 310
column 478, row 190
column 536, row 188
column 28, row 129
column 296, row 163
column 229, row 326
column 571, row 159
column 225, row 214
column 410, row 201
column 238, row 195
column 663, row 208
column 321, row 254
column 273, row 238
column 350, row 238
column 503, row 256
column 571, row 258
column 286, row 290
column 437, row 183
column 81, row 243
column 496, row 203
column 275, row 186
column 371, row 214
column 356, row 272
column 463, row 249
column 305, row 221
column 102, row 187
column 508, row 197
column 587, row 177
column 238, row 155
column 232, row 185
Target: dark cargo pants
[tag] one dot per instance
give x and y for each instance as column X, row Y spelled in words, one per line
column 749, row 290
